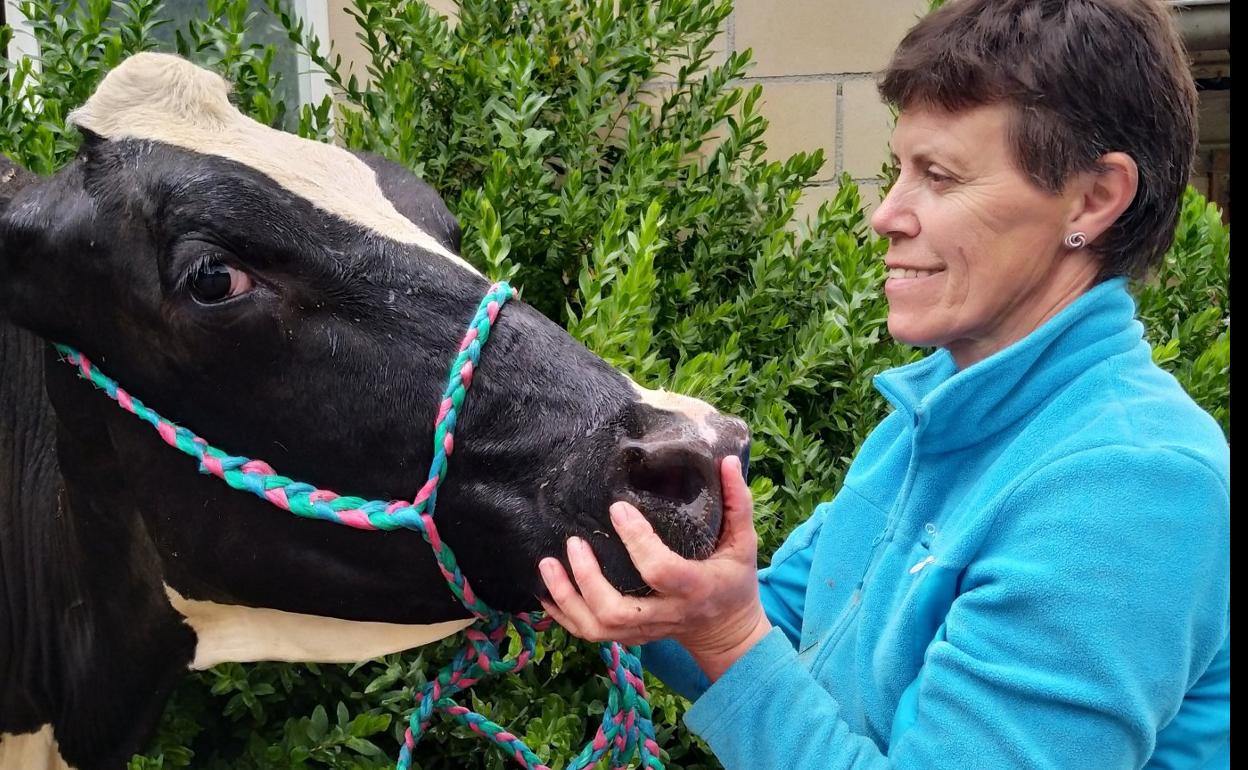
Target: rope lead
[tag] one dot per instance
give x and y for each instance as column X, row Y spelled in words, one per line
column 627, row 728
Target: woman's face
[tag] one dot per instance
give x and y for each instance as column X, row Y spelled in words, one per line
column 975, row 256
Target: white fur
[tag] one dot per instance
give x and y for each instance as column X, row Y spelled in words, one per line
column 699, row 412
column 31, row 751
column 233, row 633
column 165, row 98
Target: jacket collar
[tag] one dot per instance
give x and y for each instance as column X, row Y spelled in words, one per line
column 953, row 409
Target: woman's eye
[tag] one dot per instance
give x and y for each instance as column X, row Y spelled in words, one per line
column 214, row 282
column 937, row 176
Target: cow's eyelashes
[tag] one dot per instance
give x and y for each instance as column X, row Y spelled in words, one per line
column 212, row 281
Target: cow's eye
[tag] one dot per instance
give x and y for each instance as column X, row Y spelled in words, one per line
column 213, row 282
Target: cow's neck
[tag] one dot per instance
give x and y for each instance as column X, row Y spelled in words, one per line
column 89, row 646
column 29, row 476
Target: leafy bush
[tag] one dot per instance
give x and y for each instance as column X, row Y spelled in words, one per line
column 602, row 156
column 1186, row 308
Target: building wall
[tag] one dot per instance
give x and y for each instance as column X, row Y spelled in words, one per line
column 815, row 59
column 343, row 30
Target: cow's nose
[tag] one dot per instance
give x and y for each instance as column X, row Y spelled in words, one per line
column 674, row 471
column 736, row 440
column 674, row 480
column 675, row 484
column 731, row 436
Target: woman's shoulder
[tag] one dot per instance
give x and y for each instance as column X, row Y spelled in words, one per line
column 1122, row 447
column 1127, row 405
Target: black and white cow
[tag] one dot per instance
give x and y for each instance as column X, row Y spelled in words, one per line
column 295, row 302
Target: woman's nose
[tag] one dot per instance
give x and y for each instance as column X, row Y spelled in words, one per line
column 895, row 216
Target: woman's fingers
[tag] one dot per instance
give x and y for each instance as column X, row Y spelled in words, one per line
column 552, row 609
column 574, row 613
column 595, row 610
column 663, row 569
column 739, row 530
column 590, row 607
column 615, row 613
column 588, row 574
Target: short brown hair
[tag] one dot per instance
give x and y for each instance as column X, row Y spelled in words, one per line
column 1085, row 77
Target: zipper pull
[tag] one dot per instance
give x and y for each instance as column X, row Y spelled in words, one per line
column 915, row 569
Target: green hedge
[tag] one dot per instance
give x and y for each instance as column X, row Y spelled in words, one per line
column 600, row 155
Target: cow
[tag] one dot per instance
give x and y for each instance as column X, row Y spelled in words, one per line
column 301, row 303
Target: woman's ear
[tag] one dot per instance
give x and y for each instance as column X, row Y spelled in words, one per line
column 1103, row 194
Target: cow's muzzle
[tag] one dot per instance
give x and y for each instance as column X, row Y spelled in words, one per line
column 672, row 476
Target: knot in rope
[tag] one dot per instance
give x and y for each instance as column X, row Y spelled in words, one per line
column 627, row 728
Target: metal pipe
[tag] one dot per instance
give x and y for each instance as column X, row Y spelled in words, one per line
column 1204, row 24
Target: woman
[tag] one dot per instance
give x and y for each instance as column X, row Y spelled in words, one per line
column 1028, row 564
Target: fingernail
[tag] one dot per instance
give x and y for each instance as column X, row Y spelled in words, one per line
column 547, row 568
column 621, row 514
column 575, row 544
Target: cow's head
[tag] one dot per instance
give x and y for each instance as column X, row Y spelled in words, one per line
column 295, row 302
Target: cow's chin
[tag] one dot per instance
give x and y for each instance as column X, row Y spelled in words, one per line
column 691, row 529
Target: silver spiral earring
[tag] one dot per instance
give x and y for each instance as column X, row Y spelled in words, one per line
column 1076, row 240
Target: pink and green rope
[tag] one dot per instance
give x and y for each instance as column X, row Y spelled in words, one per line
column 627, row 729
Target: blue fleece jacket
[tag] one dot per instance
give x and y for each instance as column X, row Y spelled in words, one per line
column 1028, row 566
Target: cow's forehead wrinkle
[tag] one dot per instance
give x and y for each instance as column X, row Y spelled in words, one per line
column 164, row 98
column 247, row 215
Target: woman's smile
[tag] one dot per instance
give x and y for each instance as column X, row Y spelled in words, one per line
column 902, row 280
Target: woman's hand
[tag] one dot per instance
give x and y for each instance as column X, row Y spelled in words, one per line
column 711, row 607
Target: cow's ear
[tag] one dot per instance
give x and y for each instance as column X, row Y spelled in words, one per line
column 91, row 142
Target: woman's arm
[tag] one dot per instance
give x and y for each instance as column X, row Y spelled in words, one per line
column 782, row 590
column 1099, row 599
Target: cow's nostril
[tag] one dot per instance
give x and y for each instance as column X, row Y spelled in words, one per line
column 678, row 483
column 675, row 483
column 672, row 471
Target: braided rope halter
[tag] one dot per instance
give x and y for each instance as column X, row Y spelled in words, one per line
column 627, row 727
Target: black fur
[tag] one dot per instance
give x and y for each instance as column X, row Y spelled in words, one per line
column 330, row 370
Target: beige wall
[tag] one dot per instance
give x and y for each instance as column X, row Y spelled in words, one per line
column 815, row 59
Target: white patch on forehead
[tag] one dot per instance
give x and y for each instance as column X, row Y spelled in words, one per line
column 31, row 751
column 165, row 98
column 698, row 411
column 236, row 634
